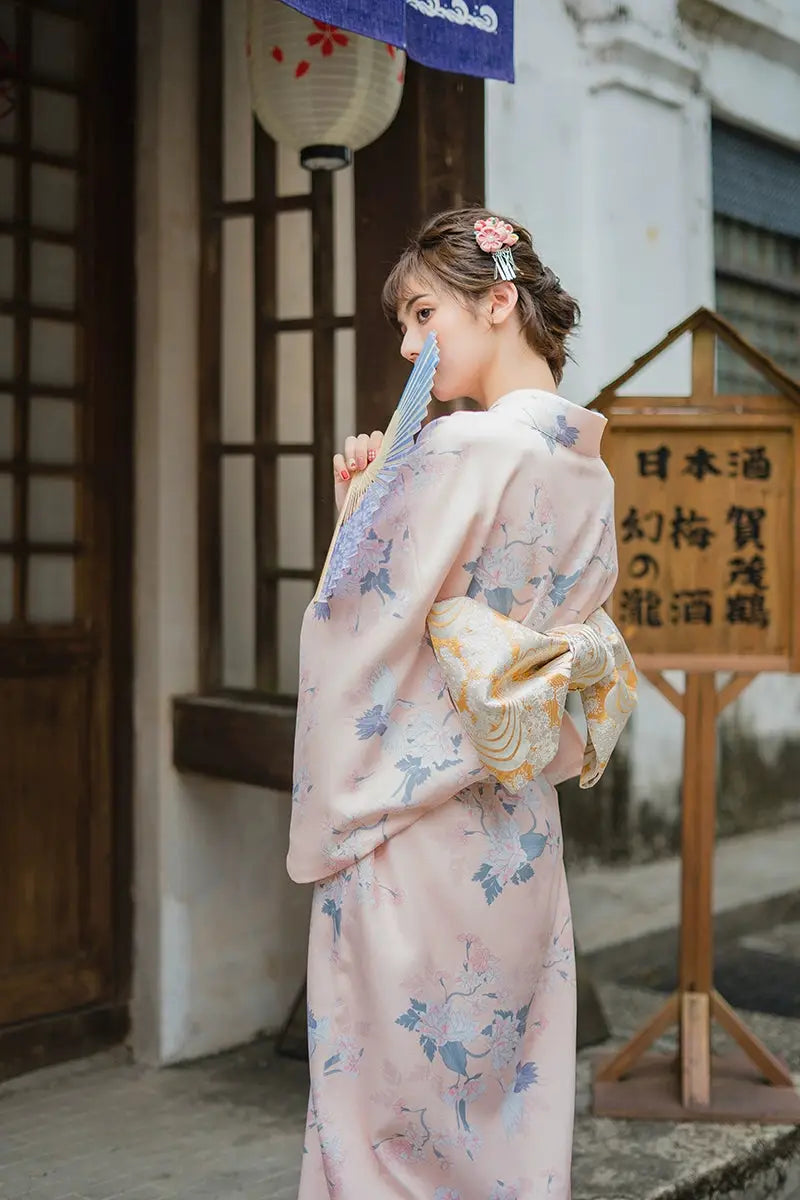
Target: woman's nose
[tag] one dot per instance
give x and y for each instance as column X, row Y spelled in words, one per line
column 409, row 349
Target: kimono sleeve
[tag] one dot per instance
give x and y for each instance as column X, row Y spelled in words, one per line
column 455, row 486
column 510, row 684
column 378, row 740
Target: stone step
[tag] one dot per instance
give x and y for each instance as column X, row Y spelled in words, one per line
column 649, row 1160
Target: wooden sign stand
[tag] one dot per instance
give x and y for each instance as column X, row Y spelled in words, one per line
column 751, row 1084
column 634, row 1084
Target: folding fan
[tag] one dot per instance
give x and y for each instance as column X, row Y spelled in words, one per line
column 370, row 486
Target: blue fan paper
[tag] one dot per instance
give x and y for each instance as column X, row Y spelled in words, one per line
column 369, row 488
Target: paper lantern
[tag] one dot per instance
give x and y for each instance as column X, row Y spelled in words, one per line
column 319, row 89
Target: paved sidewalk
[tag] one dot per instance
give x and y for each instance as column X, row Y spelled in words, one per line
column 618, row 904
column 230, row 1128
column 226, row 1127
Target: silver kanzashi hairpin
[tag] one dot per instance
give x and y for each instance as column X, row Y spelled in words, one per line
column 497, row 237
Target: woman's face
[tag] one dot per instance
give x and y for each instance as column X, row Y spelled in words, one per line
column 465, row 344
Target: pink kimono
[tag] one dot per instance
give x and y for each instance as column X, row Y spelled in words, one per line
column 431, row 730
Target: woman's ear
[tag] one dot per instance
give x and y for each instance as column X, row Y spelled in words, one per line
column 502, row 300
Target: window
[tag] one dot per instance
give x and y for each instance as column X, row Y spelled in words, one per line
column 283, row 356
column 756, row 251
column 45, row 570
column 277, row 374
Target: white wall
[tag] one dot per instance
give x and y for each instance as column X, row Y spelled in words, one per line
column 602, row 147
column 220, row 932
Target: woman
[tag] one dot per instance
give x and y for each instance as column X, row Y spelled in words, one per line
column 431, row 731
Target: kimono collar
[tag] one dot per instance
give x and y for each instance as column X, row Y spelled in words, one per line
column 558, row 420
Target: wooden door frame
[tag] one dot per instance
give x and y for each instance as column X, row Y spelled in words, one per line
column 110, row 350
column 431, row 158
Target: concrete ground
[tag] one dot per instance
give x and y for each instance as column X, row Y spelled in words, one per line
column 230, row 1127
column 615, row 906
column 226, row 1127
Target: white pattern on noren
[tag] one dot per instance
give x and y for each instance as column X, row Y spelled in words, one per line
column 458, row 12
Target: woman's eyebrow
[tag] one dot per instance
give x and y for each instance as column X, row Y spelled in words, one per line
column 407, row 306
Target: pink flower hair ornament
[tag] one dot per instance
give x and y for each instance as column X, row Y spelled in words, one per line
column 497, row 237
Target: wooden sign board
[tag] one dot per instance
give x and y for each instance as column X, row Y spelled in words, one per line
column 708, row 531
column 708, row 518
column 706, row 535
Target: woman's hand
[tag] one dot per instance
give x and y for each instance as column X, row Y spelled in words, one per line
column 358, row 453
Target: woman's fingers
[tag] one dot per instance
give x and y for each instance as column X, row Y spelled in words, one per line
column 358, row 453
column 375, row 443
column 362, row 450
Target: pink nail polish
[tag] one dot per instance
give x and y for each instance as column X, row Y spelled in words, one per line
column 371, row 455
column 345, row 475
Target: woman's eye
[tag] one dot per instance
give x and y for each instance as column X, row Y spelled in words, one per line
column 423, row 314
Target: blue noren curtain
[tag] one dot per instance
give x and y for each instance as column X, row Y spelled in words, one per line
column 474, row 37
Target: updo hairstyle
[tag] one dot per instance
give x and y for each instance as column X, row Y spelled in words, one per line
column 445, row 252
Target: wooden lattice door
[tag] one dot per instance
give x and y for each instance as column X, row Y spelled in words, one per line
column 65, row 302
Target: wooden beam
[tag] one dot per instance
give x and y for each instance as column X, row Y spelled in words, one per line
column 436, row 146
column 209, row 500
column 621, row 1063
column 265, row 366
column 22, row 291
column 243, row 741
column 732, row 689
column 697, row 852
column 695, row 1050
column 324, row 367
column 607, row 395
column 50, row 1040
column 666, row 689
column 751, row 664
column 704, row 346
column 770, row 1066
column 704, row 318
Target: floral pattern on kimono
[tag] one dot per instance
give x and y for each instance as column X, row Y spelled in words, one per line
column 441, row 976
column 512, row 839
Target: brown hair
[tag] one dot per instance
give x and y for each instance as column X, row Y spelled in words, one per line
column 445, row 251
